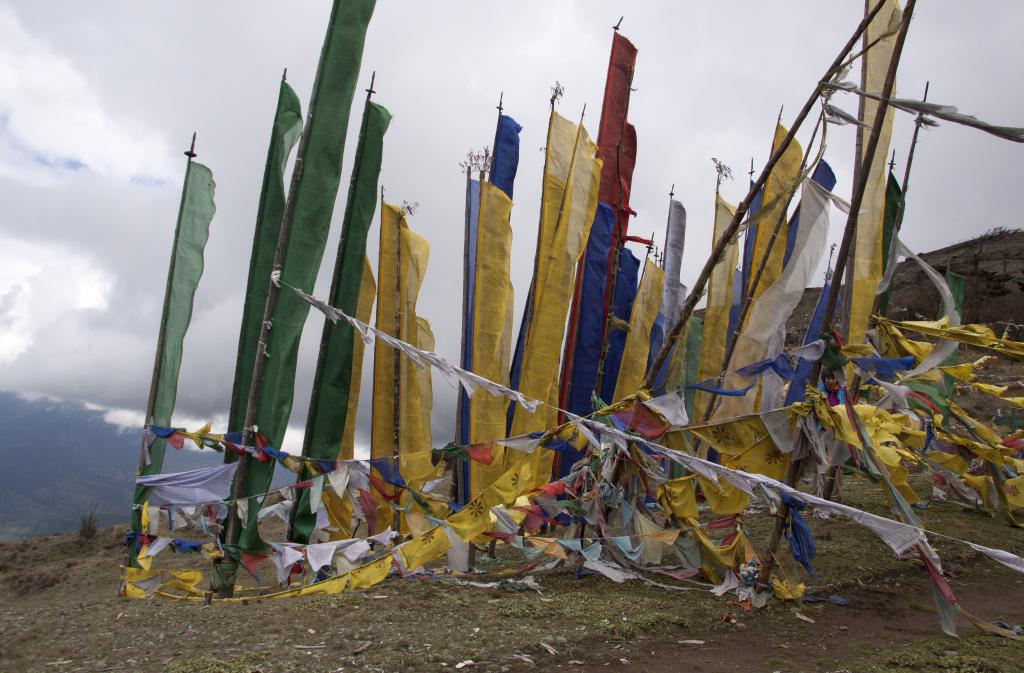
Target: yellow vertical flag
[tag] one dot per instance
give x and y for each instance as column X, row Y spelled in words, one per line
column 555, row 265
column 364, row 305
column 716, row 314
column 557, row 164
column 867, row 254
column 383, row 434
column 400, row 269
column 492, row 329
column 638, row 339
column 777, row 190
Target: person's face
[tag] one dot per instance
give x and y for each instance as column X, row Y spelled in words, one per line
column 831, row 384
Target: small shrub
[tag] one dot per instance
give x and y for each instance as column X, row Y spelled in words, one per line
column 87, row 527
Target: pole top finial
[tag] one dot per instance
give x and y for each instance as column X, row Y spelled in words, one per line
column 672, row 190
column 284, row 75
column 616, row 26
column 371, row 90
column 501, row 99
column 191, row 151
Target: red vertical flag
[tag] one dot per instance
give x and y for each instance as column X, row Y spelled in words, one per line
column 616, row 142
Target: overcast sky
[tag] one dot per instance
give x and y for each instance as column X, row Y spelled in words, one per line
column 98, row 100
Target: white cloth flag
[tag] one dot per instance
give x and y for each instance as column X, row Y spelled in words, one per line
column 421, row 358
column 320, row 555
column 675, row 238
column 1006, row 558
column 158, row 545
column 768, row 313
column 283, row 558
column 206, row 485
column 671, row 406
column 355, row 549
column 944, row 348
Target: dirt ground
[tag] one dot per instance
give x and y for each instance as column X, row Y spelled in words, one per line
column 61, row 614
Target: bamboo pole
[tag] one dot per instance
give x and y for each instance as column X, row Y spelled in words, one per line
column 796, row 467
column 833, row 473
column 396, row 405
column 162, row 333
column 256, row 383
column 741, row 209
column 459, row 469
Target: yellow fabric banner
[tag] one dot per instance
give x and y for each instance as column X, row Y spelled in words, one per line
column 419, row 550
column 638, row 339
column 722, row 497
column 364, row 306
column 383, row 431
column 678, row 497
column 745, row 443
column 975, row 335
column 716, row 315
column 492, row 329
column 572, row 212
column 867, row 251
column 777, row 190
column 401, row 267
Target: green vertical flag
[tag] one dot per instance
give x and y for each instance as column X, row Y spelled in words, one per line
column 287, row 127
column 315, row 190
column 893, row 194
column 186, row 268
column 333, row 385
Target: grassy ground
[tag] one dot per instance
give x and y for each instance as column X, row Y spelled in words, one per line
column 62, row 614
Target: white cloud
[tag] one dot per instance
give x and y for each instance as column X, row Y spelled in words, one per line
column 40, row 285
column 53, row 123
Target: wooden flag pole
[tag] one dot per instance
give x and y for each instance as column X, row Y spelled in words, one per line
column 233, row 530
column 833, row 473
column 796, row 467
column 730, row 230
column 741, row 210
column 162, row 333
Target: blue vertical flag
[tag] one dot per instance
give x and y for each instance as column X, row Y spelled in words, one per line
column 504, row 165
column 583, row 374
column 506, row 154
column 622, row 306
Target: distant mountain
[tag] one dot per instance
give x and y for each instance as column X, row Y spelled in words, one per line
column 59, row 457
column 993, row 269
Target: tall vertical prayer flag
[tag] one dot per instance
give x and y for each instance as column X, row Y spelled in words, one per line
column 505, row 161
column 504, row 165
column 719, row 302
column 283, row 136
column 401, row 388
column 778, row 188
column 867, row 252
column 616, row 143
column 582, row 369
column 638, row 338
column 568, row 208
column 893, row 196
column 621, row 309
column 311, row 202
column 492, row 328
column 335, row 395
column 195, row 213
